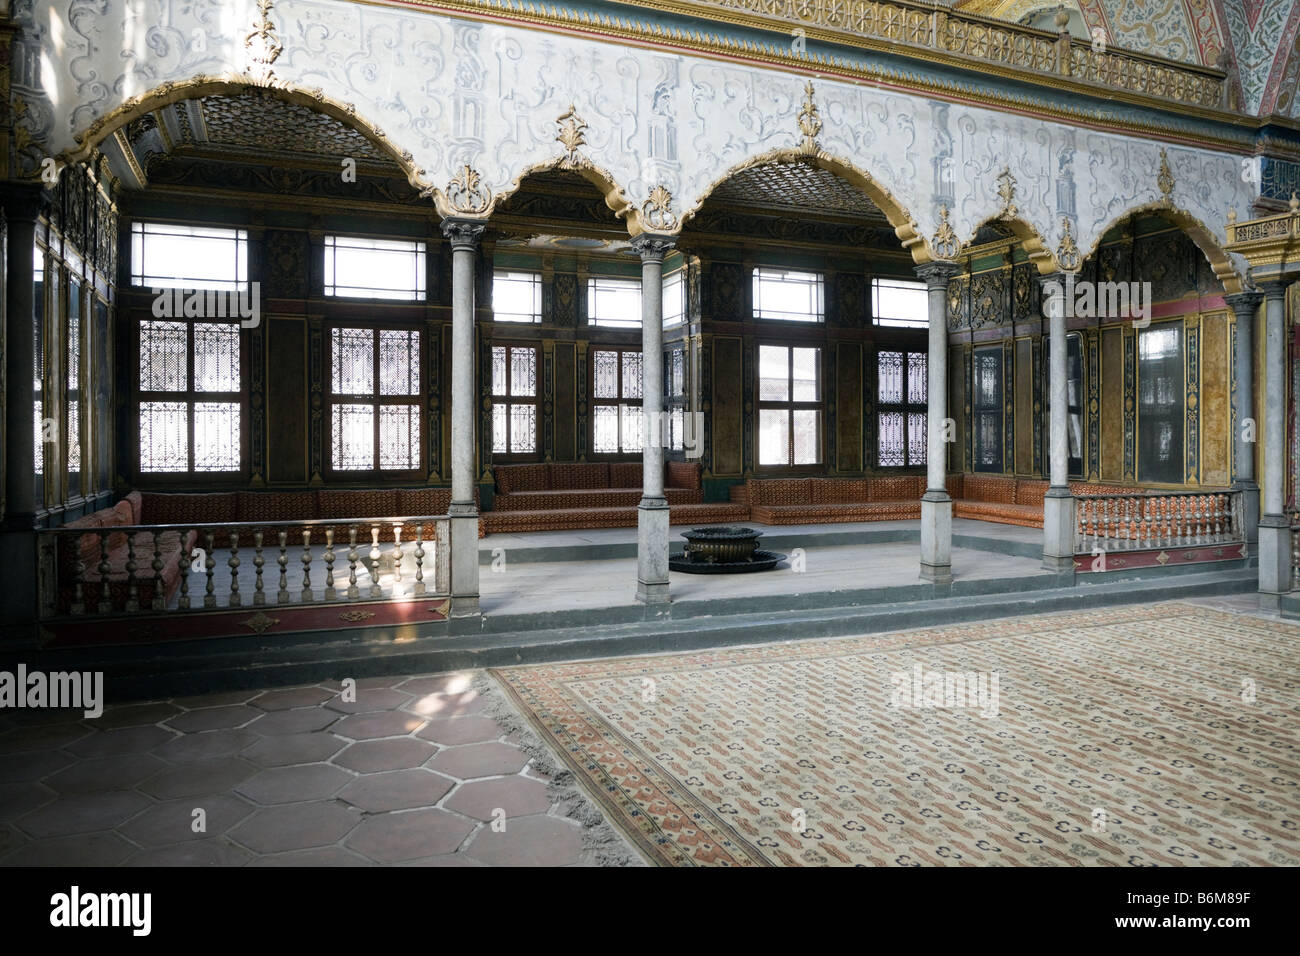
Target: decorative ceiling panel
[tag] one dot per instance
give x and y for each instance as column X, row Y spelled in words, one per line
column 261, row 124
column 811, row 190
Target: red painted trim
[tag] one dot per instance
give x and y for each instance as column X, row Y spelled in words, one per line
column 1128, row 560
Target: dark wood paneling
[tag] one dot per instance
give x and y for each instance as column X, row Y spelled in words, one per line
column 728, row 407
column 1112, row 404
column 848, row 385
column 1024, row 404
column 566, row 434
column 286, row 405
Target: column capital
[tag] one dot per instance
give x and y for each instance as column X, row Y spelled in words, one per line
column 937, row 273
column 1274, row 287
column 463, row 233
column 652, row 247
column 1244, row 303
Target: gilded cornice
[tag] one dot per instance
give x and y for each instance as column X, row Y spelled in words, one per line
column 1173, row 126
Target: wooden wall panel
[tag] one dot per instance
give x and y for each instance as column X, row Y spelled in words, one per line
column 848, row 386
column 1216, row 417
column 1112, row 404
column 286, row 401
column 728, row 408
column 566, row 397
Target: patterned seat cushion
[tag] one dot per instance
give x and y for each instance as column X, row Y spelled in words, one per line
column 259, row 506
column 358, row 503
column 897, row 488
column 1027, row 516
column 837, row 490
column 565, row 476
column 836, row 513
column 682, row 474
column 187, row 508
column 625, row 474
column 989, row 488
column 780, row 491
column 521, row 478
column 1031, row 492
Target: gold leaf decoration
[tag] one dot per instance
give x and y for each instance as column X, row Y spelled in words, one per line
column 466, row 193
column 657, row 212
column 571, row 136
column 263, row 45
column 1007, row 193
column 945, row 242
column 810, row 122
column 259, row 622
column 1067, row 252
column 353, row 616
column 1165, row 179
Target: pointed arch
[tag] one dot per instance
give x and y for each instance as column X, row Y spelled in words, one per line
column 1200, row 234
column 904, row 223
column 200, row 86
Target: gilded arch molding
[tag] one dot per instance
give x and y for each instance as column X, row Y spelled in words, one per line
column 1221, row 261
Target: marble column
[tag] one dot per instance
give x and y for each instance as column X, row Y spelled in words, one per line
column 936, row 506
column 464, row 236
column 1244, row 306
column 652, row 513
column 1058, row 503
column 1274, row 527
column 18, row 553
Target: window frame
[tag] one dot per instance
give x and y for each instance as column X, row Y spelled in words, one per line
column 140, row 280
column 619, row 403
column 593, row 321
column 1178, row 327
column 756, row 278
column 676, row 277
column 905, row 406
column 996, row 411
column 790, row 406
column 191, row 397
column 376, row 399
column 536, row 281
column 330, row 245
column 895, row 323
column 510, row 400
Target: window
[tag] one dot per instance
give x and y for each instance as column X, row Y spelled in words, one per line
column 902, row 402
column 789, row 406
column 616, row 405
column 516, row 296
column 514, row 400
column 986, row 409
column 72, row 402
column 789, row 296
column 614, row 302
column 375, row 400
column 374, row 268
column 189, row 388
column 1160, row 404
column 675, row 298
column 675, row 399
column 900, row 303
column 188, row 257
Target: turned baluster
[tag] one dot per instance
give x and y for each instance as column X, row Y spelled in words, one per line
column 353, row 591
column 132, row 579
column 209, row 565
column 397, row 555
column 329, row 565
column 375, row 590
column 186, row 559
column 79, row 583
column 233, row 563
column 1106, row 530
column 104, row 602
column 418, row 587
column 306, row 565
column 282, row 597
column 159, row 602
column 259, row 595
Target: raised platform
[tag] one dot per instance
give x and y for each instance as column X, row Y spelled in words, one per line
column 551, row 597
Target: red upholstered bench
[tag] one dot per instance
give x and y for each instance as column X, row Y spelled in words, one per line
column 1001, row 499
column 784, row 501
column 562, row 496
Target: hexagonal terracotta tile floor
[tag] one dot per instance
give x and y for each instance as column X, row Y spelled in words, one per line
column 405, row 771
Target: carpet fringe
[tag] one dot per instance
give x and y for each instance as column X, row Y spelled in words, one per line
column 602, row 844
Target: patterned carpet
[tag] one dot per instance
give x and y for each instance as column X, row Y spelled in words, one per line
column 1139, row 736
